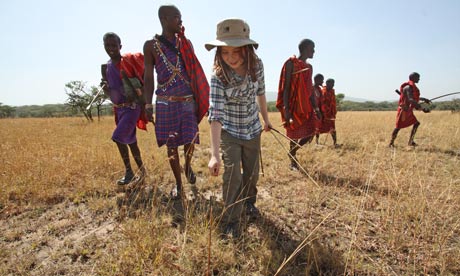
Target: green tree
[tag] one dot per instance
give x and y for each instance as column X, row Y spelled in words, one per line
column 98, row 97
column 339, row 99
column 6, row 111
column 79, row 98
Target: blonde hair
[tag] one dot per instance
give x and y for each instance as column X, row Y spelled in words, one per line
column 222, row 70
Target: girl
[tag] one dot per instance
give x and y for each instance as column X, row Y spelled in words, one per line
column 237, row 82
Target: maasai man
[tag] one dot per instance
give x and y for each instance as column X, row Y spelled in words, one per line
column 408, row 100
column 182, row 93
column 329, row 110
column 296, row 101
column 317, row 91
column 128, row 111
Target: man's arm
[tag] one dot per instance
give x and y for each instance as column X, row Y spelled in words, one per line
column 287, row 91
column 314, row 104
column 407, row 90
column 149, row 82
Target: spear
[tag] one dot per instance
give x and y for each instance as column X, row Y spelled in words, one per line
column 435, row 98
column 445, row 95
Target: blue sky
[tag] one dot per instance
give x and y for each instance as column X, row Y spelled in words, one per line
column 368, row 47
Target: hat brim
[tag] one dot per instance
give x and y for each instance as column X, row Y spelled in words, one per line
column 231, row 43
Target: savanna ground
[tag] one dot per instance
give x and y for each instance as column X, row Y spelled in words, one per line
column 361, row 209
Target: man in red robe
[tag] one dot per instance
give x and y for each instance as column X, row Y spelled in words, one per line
column 296, row 101
column 329, row 110
column 317, row 91
column 408, row 100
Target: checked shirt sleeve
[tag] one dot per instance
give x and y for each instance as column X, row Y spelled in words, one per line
column 216, row 101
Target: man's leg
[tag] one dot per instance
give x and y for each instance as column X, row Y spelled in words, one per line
column 393, row 137
column 129, row 174
column 317, row 138
column 173, row 157
column 135, row 151
column 188, row 153
column 412, row 134
column 293, row 148
column 334, row 137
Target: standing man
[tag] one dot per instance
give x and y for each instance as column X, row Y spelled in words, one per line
column 127, row 108
column 329, row 110
column 317, row 91
column 408, row 100
column 296, row 101
column 182, row 92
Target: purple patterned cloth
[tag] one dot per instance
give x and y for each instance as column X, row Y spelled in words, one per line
column 126, row 117
column 175, row 122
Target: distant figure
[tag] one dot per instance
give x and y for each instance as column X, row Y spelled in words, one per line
column 408, row 100
column 317, row 91
column 329, row 110
column 122, row 73
column 296, row 101
column 237, row 97
column 182, row 93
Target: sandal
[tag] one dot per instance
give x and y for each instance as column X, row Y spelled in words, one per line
column 125, row 179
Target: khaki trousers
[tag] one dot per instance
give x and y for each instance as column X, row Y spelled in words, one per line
column 241, row 173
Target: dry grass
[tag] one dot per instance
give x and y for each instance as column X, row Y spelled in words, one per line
column 374, row 210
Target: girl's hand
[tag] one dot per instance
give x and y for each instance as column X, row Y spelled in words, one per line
column 214, row 166
column 267, row 126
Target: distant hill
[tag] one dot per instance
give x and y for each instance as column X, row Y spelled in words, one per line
column 353, row 99
column 271, row 97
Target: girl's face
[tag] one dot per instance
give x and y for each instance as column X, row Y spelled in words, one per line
column 233, row 57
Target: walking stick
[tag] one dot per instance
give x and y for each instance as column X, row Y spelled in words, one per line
column 293, row 141
column 297, row 162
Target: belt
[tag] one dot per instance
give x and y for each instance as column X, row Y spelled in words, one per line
column 188, row 98
column 131, row 105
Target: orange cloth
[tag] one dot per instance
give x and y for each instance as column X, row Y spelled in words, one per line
column 133, row 65
column 328, row 104
column 300, row 92
column 405, row 116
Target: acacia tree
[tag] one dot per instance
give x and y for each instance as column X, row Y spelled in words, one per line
column 339, row 99
column 79, row 98
column 100, row 98
column 6, row 111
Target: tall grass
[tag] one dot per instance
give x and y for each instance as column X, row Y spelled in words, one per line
column 375, row 210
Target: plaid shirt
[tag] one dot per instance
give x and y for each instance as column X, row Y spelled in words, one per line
column 235, row 106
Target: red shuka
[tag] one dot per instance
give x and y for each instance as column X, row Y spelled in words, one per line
column 300, row 92
column 198, row 81
column 405, row 116
column 133, row 65
column 329, row 110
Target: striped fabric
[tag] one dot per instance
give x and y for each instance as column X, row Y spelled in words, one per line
column 198, row 81
column 300, row 92
column 235, row 106
column 176, row 122
column 329, row 110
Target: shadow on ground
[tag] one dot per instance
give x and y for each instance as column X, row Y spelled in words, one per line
column 312, row 259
